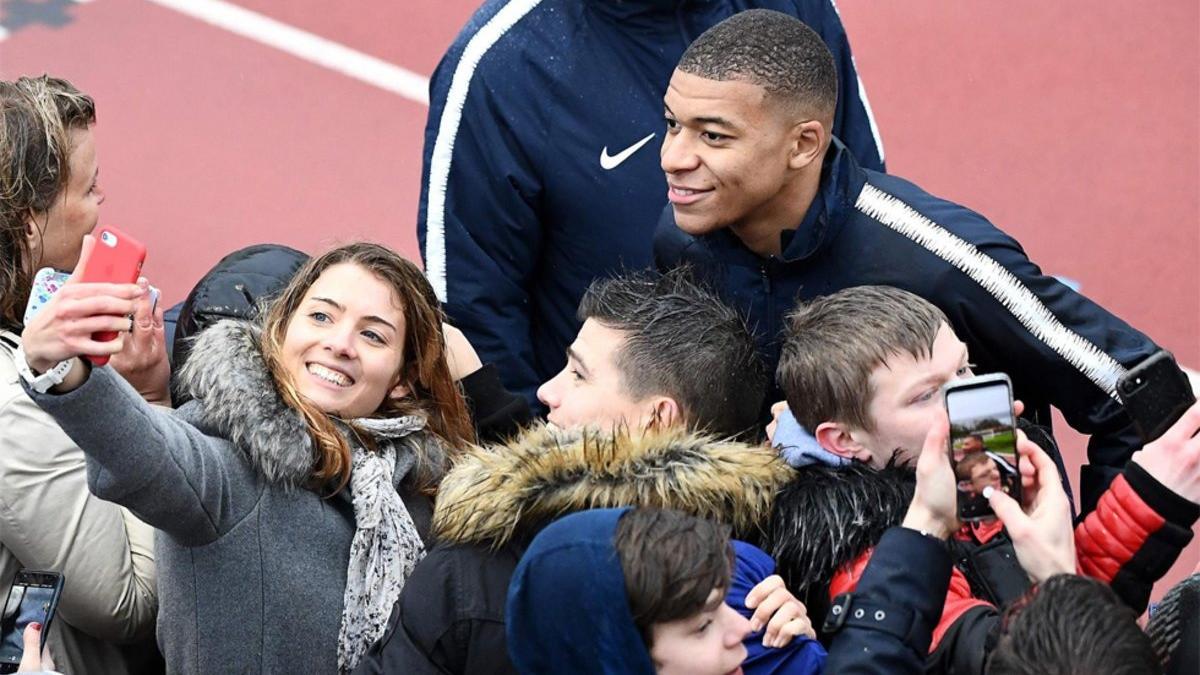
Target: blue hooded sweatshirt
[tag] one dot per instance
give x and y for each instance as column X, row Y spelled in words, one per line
column 555, row 624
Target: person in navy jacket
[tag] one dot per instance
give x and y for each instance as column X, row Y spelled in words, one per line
column 540, row 163
column 770, row 206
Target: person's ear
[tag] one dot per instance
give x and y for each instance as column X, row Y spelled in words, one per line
column 664, row 413
column 399, row 391
column 841, row 441
column 809, row 140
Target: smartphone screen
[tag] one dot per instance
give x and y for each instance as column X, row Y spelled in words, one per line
column 32, row 598
column 983, row 442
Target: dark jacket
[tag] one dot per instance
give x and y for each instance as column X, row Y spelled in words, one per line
column 826, row 521
column 886, row 625
column 518, row 212
column 234, row 288
column 556, row 624
column 865, row 227
column 450, row 619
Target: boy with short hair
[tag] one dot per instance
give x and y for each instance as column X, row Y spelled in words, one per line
column 650, row 602
column 863, row 370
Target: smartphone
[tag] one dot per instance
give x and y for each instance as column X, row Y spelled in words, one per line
column 46, row 283
column 33, row 597
column 983, row 441
column 1155, row 393
column 116, row 258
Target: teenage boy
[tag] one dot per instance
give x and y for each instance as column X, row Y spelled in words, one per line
column 769, row 204
column 862, row 369
column 659, row 359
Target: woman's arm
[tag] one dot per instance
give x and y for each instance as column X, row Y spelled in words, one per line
column 50, row 521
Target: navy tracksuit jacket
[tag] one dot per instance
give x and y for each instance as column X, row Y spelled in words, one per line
column 541, row 164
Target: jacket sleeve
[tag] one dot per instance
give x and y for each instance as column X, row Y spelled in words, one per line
column 478, row 222
column 853, row 123
column 145, row 458
column 50, row 521
column 887, row 624
column 498, row 413
column 1059, row 347
column 962, row 625
column 1135, row 535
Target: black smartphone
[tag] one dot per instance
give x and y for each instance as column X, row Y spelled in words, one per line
column 1155, row 393
column 33, row 597
column 983, row 441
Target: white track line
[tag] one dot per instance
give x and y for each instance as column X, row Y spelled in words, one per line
column 305, row 45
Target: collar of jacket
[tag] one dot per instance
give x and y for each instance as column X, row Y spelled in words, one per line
column 497, row 494
column 827, row 517
column 234, row 397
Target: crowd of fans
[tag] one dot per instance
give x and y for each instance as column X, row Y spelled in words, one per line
column 744, row 463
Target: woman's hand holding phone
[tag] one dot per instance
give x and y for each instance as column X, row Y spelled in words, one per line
column 143, row 360
column 67, row 326
column 1041, row 532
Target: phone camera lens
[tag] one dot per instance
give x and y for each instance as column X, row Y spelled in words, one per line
column 108, row 238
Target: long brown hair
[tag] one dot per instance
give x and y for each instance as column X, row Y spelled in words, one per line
column 37, row 115
column 433, row 394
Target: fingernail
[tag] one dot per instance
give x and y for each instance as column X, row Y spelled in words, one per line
column 754, row 628
column 987, row 492
column 36, row 626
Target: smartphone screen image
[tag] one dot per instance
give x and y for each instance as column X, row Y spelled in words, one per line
column 32, row 598
column 983, row 441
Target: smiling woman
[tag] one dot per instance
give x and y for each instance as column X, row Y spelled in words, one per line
column 310, row 448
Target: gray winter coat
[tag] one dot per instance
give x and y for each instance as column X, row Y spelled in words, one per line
column 252, row 567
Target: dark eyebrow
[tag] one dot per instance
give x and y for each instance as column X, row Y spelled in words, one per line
column 571, row 353
column 372, row 318
column 718, row 121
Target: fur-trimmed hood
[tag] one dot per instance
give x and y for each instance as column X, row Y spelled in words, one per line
column 495, row 494
column 234, row 397
column 827, row 517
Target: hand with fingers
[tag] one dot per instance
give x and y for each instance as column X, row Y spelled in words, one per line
column 66, row 326
column 1041, row 530
column 1174, row 459
column 934, row 507
column 143, row 360
column 33, row 659
column 776, row 410
column 776, row 609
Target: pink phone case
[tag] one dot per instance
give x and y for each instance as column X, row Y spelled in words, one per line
column 116, row 258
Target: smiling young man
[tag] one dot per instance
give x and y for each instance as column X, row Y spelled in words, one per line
column 767, row 203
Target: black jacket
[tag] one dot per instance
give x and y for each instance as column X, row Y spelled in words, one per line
column 450, row 617
column 866, row 227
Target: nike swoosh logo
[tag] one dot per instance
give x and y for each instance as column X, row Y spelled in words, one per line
column 610, row 162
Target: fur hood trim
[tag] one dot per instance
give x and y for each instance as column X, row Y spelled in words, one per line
column 234, row 397
column 493, row 494
column 827, row 517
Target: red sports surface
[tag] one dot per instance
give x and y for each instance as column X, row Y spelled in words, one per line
column 1074, row 126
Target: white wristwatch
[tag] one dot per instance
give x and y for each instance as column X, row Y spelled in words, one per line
column 41, row 383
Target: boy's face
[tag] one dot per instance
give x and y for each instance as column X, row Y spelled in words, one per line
column 589, row 390
column 708, row 643
column 907, row 396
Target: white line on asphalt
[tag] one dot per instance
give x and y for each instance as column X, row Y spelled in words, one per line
column 305, row 45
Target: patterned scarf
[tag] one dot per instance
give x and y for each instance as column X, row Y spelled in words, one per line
column 386, row 546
